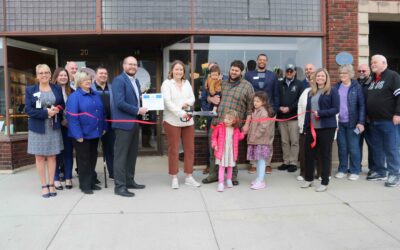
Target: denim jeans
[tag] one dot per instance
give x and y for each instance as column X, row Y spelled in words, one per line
column 385, row 140
column 66, row 157
column 348, row 149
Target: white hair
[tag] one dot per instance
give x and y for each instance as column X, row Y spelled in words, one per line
column 380, row 58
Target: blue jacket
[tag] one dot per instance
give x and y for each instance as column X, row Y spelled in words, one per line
column 38, row 116
column 125, row 105
column 270, row 86
column 84, row 126
column 329, row 105
column 355, row 103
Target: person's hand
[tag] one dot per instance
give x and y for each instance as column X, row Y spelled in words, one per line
column 64, row 123
column 316, row 114
column 185, row 116
column 143, row 111
column 214, row 99
column 360, row 127
column 80, row 140
column 104, row 132
column 216, row 148
column 185, row 106
column 51, row 112
column 245, row 129
column 396, row 119
column 284, row 109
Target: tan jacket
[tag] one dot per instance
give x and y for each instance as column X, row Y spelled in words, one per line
column 259, row 130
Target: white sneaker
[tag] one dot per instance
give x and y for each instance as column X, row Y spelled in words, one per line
column 340, row 175
column 306, row 184
column 354, row 177
column 300, row 178
column 220, row 187
column 229, row 184
column 190, row 181
column 175, row 183
column 321, row 188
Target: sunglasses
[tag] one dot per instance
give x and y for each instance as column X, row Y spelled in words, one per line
column 289, row 71
column 362, row 71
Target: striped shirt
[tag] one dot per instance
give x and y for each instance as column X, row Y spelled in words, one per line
column 235, row 96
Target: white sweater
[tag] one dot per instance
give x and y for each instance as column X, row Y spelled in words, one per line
column 302, row 107
column 174, row 98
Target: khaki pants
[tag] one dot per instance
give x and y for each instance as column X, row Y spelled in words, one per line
column 290, row 141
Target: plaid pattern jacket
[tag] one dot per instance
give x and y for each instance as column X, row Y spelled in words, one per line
column 235, row 96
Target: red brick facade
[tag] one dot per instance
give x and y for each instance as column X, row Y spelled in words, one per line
column 342, row 33
column 13, row 154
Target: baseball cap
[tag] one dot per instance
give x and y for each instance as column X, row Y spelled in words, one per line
column 290, row 66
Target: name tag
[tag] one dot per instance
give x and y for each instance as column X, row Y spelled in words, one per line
column 38, row 104
column 256, row 77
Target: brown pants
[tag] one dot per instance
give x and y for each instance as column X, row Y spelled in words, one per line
column 290, row 141
column 174, row 137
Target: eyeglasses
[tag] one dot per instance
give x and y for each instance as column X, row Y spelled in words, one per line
column 362, row 71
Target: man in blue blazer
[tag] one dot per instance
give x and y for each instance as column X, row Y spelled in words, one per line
column 126, row 106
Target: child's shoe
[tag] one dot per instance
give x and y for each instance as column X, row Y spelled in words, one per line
column 190, row 181
column 229, row 184
column 258, row 185
column 254, row 181
column 220, row 187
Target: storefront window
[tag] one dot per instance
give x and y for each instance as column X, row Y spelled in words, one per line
column 21, row 74
column 2, row 90
column 224, row 49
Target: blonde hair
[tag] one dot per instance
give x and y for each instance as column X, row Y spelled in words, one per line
column 347, row 68
column 234, row 114
column 80, row 77
column 313, row 83
column 174, row 63
column 45, row 66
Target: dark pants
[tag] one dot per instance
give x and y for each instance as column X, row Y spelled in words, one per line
column 108, row 141
column 86, row 159
column 322, row 150
column 125, row 154
column 65, row 157
column 302, row 158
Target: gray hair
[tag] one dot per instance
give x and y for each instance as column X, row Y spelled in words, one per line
column 347, row 68
column 80, row 77
column 380, row 58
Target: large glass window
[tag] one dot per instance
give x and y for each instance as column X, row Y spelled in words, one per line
column 21, row 74
column 2, row 89
column 224, row 49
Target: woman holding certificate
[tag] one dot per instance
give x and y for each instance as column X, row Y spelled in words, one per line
column 178, row 97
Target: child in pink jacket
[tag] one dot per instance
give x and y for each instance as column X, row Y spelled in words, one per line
column 225, row 142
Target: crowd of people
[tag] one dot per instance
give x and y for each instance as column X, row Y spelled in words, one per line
column 70, row 111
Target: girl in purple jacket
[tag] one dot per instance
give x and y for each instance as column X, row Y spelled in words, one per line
column 225, row 142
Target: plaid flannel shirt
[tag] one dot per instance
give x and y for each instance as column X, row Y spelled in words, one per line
column 235, row 96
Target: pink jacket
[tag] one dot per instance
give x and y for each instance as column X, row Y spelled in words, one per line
column 218, row 139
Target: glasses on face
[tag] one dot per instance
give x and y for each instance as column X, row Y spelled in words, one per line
column 362, row 71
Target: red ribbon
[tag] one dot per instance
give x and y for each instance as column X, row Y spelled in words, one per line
column 109, row 120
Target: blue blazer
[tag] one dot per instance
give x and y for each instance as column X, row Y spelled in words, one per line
column 329, row 105
column 84, row 126
column 125, row 104
column 38, row 116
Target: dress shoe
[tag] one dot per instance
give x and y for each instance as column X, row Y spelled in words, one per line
column 252, row 170
column 134, row 185
column 292, row 168
column 209, row 180
column 47, row 194
column 68, row 184
column 235, row 182
column 123, row 192
column 95, row 188
column 283, row 167
column 52, row 194
column 268, row 170
column 59, row 187
column 97, row 181
column 87, row 191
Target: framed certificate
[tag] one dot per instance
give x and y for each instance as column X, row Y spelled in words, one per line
column 153, row 101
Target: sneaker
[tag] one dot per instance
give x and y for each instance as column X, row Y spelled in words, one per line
column 369, row 173
column 175, row 183
column 268, row 170
column 252, row 170
column 254, row 181
column 354, row 177
column 376, row 177
column 292, row 168
column 321, row 188
column 258, row 185
column 300, row 178
column 229, row 184
column 340, row 175
column 392, row 181
column 283, row 167
column 190, row 181
column 220, row 187
column 306, row 184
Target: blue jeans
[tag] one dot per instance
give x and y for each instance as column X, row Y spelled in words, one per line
column 385, row 139
column 348, row 149
column 66, row 156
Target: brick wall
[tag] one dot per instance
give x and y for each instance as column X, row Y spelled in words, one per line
column 13, row 154
column 342, row 32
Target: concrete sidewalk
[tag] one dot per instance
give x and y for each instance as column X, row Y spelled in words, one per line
column 350, row 215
